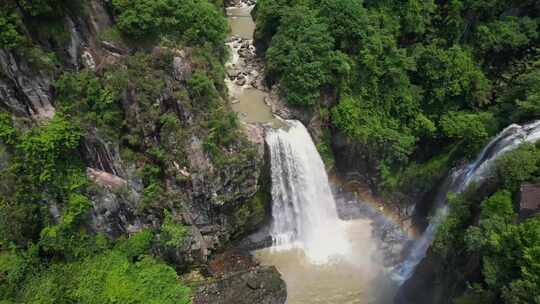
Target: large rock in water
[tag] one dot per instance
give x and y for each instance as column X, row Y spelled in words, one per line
column 262, row 285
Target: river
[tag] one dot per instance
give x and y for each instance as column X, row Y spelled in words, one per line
column 324, row 259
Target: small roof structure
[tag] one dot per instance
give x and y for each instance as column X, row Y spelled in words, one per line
column 529, row 204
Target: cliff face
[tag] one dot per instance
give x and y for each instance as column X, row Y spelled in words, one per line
column 209, row 185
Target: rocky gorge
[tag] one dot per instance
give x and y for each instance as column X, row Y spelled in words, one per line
column 215, row 203
column 245, row 151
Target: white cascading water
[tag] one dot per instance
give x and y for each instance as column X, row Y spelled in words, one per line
column 303, row 209
column 507, row 140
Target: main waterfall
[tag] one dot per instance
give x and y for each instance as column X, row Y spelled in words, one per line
column 507, row 140
column 303, row 208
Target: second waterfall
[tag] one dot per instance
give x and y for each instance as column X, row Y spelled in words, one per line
column 303, row 208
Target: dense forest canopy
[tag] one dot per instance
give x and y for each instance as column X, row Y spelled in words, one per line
column 406, row 74
column 419, row 87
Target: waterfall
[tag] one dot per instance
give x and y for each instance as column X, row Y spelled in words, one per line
column 303, row 209
column 507, row 140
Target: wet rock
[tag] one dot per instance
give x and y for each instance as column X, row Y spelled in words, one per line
column 233, row 73
column 241, row 80
column 262, row 285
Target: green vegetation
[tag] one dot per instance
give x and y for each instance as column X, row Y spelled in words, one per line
column 508, row 248
column 10, row 35
column 132, row 106
column 301, row 55
column 122, row 273
column 417, row 87
column 196, row 22
column 401, row 76
column 48, row 8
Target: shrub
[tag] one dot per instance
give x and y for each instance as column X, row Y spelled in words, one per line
column 42, row 7
column 299, row 54
column 107, row 278
column 172, row 233
column 10, row 35
column 518, row 166
column 470, row 130
column 193, row 21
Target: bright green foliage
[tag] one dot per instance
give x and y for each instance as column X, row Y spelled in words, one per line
column 10, row 36
column 370, row 127
column 518, row 166
column 508, row 248
column 45, row 165
column 346, row 20
column 300, row 54
column 449, row 234
column 450, row 78
column 136, row 245
column 106, row 278
column 201, row 88
column 508, row 34
column 193, row 21
column 8, row 134
column 469, row 130
column 268, row 15
column 20, row 223
column 46, row 153
column 417, row 178
column 417, row 16
column 512, row 264
column 84, row 96
column 224, row 133
column 524, row 96
column 13, row 268
column 172, row 233
column 496, row 215
column 400, row 73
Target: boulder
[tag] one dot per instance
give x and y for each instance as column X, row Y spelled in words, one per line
column 261, row 285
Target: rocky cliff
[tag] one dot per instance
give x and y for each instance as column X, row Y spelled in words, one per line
column 172, row 148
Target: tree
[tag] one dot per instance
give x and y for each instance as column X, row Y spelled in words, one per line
column 518, row 166
column 522, row 97
column 470, row 130
column 299, row 54
column 10, row 36
column 347, row 20
column 48, row 8
column 196, row 22
column 416, row 16
column 450, row 78
column 509, row 34
column 107, row 278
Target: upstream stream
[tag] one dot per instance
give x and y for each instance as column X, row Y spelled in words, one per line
column 322, row 258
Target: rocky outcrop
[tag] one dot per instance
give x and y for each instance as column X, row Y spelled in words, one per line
column 238, row 278
column 115, row 210
column 24, row 91
column 262, row 285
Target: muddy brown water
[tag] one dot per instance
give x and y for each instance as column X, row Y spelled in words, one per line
column 356, row 279
column 247, row 101
column 240, row 22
